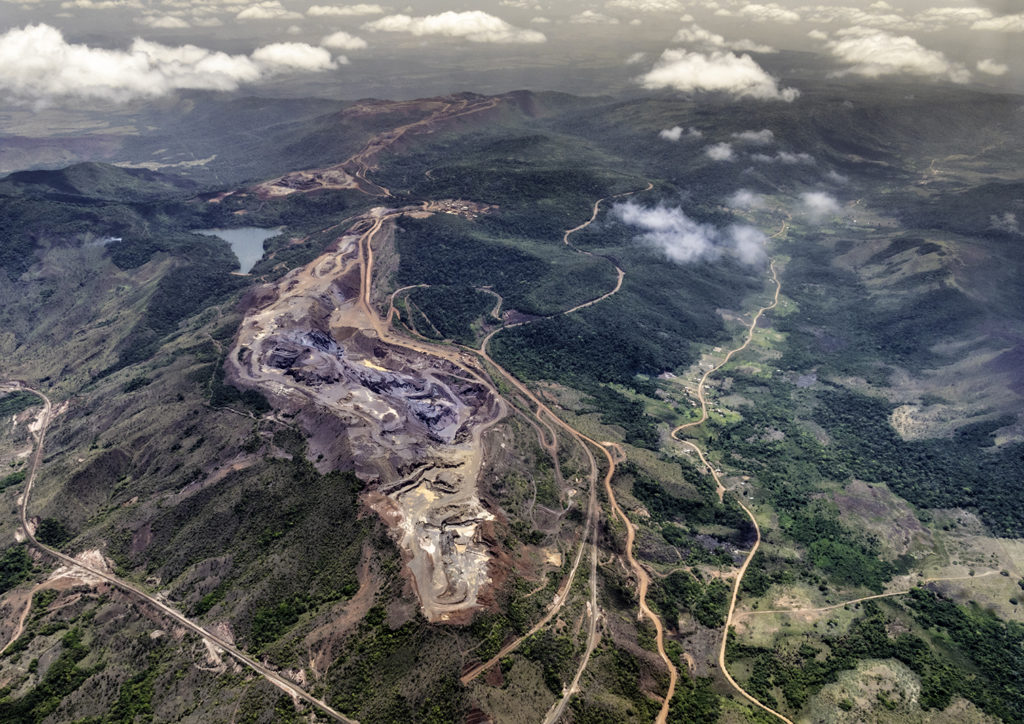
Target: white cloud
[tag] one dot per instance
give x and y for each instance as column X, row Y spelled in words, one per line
column 793, row 158
column 295, row 56
column 943, row 17
column 746, row 45
column 589, row 17
column 874, row 53
column 746, row 199
column 1006, row 222
column 677, row 132
column 785, row 157
column 267, row 10
column 992, row 67
column 739, row 76
column 36, row 63
column 720, row 152
column 164, row 22
column 1002, row 23
column 855, row 16
column 696, row 35
column 770, row 12
column 647, row 6
column 635, row 58
column 473, row 25
column 342, row 10
column 819, row 205
column 679, row 237
column 343, row 41
column 756, row 138
column 817, row 35
column 540, row 20
column 747, row 243
column 99, row 4
column 684, row 240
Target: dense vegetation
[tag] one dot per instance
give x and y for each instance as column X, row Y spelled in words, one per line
column 975, row 656
column 15, row 402
column 839, row 328
column 648, row 327
column 706, row 602
column 974, row 211
column 847, row 557
column 617, row 409
column 692, row 504
column 445, row 251
column 966, row 471
column 12, row 479
column 621, row 697
column 204, row 279
column 449, row 312
column 53, row 532
column 380, row 667
column 62, row 678
column 15, row 567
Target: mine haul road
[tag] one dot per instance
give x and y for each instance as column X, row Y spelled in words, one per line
column 643, row 579
column 462, row 358
column 544, row 416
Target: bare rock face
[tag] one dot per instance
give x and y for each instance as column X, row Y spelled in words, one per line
column 409, row 418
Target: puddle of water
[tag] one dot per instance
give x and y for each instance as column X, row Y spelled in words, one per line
column 246, row 242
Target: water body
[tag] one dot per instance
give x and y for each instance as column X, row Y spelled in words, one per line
column 246, row 242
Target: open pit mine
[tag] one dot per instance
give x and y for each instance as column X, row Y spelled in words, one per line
column 407, row 416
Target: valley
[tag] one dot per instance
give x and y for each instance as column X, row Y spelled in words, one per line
column 473, row 442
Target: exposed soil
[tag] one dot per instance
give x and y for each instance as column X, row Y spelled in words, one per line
column 407, row 417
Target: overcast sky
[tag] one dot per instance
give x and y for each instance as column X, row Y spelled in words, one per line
column 55, row 52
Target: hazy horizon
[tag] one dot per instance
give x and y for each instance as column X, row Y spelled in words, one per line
column 65, row 54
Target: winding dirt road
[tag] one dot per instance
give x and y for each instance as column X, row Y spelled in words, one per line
column 288, row 687
column 20, row 629
column 360, row 163
column 643, row 580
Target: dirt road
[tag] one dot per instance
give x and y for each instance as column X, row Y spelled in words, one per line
column 20, row 629
column 288, row 687
column 562, row 594
column 594, row 615
column 834, row 606
column 360, row 163
column 721, row 488
column 643, row 580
